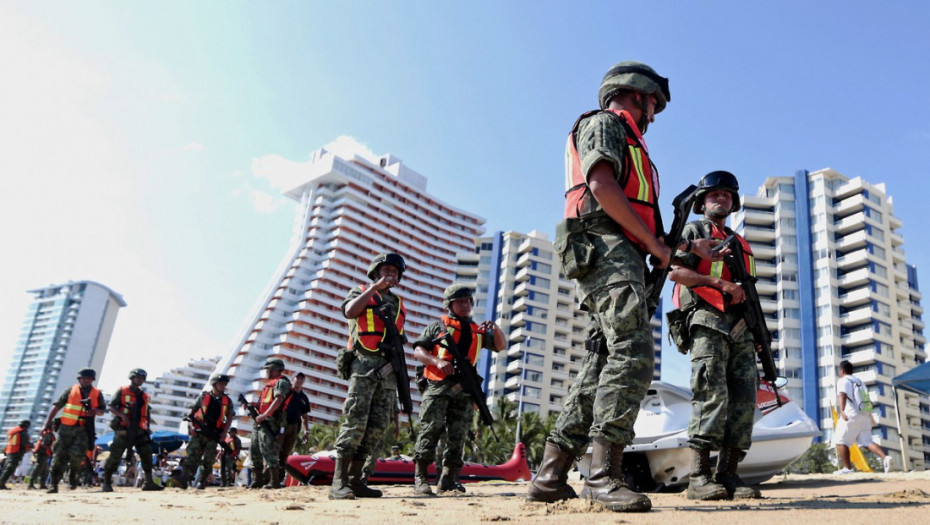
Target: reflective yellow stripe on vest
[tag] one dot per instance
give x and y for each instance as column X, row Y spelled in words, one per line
column 636, row 155
column 752, row 265
column 716, row 269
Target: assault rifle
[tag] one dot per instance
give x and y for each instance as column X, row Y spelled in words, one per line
column 468, row 379
column 253, row 413
column 750, row 310
column 394, row 351
column 656, row 277
column 89, row 423
column 198, row 427
column 135, row 415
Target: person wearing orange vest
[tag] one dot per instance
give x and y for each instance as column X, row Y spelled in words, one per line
column 372, row 396
column 228, row 458
column 132, row 419
column 723, row 356
column 210, row 418
column 611, row 223
column 16, row 446
column 446, row 407
column 79, row 406
column 43, row 454
column 266, row 446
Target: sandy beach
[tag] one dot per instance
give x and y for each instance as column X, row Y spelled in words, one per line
column 798, row 499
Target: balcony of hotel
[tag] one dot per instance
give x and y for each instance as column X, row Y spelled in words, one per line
column 848, row 243
column 857, row 316
column 523, row 275
column 861, row 357
column 763, row 251
column 859, row 337
column 758, row 217
column 853, row 259
column 849, row 205
column 855, row 278
column 519, row 305
column 896, row 239
column 854, row 297
column 849, row 224
column 756, row 234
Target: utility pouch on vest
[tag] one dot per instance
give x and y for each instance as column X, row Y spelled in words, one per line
column 574, row 249
column 421, row 380
column 678, row 330
column 596, row 344
column 738, row 331
column 344, row 361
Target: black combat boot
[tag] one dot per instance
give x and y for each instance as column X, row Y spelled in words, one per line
column 445, row 481
column 274, row 476
column 356, row 482
column 53, row 488
column 727, row 463
column 606, row 486
column 150, row 483
column 258, row 479
column 421, row 478
column 551, row 481
column 107, row 485
column 701, row 484
column 340, row 488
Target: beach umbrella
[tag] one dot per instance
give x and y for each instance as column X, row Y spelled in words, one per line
column 916, row 380
column 162, row 441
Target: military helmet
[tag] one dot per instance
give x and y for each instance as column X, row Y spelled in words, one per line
column 25, row 423
column 87, row 372
column 223, row 378
column 274, row 363
column 138, row 372
column 634, row 76
column 386, row 258
column 457, row 291
column 717, row 180
column 234, row 429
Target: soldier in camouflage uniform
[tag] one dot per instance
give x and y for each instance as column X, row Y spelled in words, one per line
column 79, row 405
column 611, row 223
column 210, row 417
column 228, row 458
column 43, row 454
column 131, row 414
column 446, row 407
column 372, row 394
column 723, row 357
column 266, row 448
column 16, row 447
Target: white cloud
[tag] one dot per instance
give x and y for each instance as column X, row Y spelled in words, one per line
column 282, row 174
column 265, row 203
column 194, row 146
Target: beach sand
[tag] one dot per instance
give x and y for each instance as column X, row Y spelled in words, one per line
column 874, row 499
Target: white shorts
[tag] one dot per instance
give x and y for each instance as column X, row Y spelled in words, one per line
column 857, row 430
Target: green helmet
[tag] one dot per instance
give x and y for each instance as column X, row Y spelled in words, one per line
column 274, row 363
column 223, row 378
column 25, row 423
column 87, row 372
column 138, row 372
column 386, row 258
column 634, row 76
column 457, row 291
column 717, row 180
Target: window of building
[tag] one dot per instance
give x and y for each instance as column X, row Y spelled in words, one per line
column 533, row 376
column 535, row 359
column 531, row 392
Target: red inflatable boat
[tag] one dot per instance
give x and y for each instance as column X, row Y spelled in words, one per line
column 318, row 470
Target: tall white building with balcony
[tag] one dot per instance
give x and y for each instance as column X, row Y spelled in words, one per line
column 67, row 328
column 519, row 286
column 353, row 205
column 835, row 285
column 174, row 391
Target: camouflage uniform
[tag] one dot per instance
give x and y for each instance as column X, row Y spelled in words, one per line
column 70, row 448
column 444, row 410
column 201, row 451
column 723, row 372
column 142, row 442
column 228, row 461
column 269, row 447
column 40, row 472
column 604, row 399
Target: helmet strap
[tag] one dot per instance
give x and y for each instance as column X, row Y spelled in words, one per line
column 643, row 123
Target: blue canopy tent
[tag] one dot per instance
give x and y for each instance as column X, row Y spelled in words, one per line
column 162, row 441
column 917, row 381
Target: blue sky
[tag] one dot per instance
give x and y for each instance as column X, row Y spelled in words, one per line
column 142, row 141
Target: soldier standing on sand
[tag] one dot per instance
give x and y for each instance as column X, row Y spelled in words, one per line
column 79, row 407
column 16, row 446
column 266, row 448
column 131, row 421
column 43, row 454
column 612, row 222
column 228, row 459
column 210, row 417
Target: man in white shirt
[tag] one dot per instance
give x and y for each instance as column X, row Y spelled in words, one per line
column 855, row 419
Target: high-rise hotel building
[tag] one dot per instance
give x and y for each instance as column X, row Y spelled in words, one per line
column 835, row 285
column 519, row 286
column 174, row 391
column 67, row 328
column 353, row 205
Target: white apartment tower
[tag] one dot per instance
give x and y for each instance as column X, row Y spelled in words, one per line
column 519, row 286
column 835, row 285
column 353, row 205
column 67, row 328
column 174, row 392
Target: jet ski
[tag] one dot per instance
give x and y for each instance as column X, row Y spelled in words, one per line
column 660, row 460
column 317, row 469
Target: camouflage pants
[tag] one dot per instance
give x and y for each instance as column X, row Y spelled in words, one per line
column 12, row 461
column 723, row 379
column 69, row 449
column 255, row 452
column 269, row 447
column 444, row 411
column 40, row 472
column 228, row 470
column 369, row 408
column 604, row 399
column 143, row 445
column 201, row 451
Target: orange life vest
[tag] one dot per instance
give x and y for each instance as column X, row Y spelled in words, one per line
column 127, row 398
column 16, row 441
column 45, row 449
column 73, row 412
column 454, row 327
column 638, row 178
column 718, row 269
column 371, row 330
column 205, row 400
column 233, row 446
column 267, row 397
